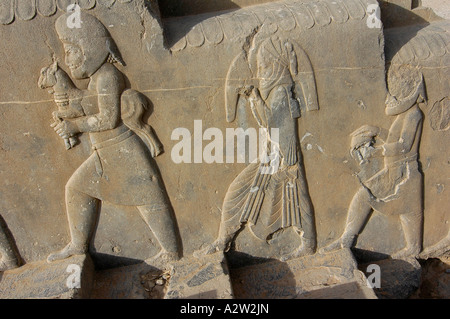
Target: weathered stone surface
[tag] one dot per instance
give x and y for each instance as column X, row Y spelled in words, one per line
column 197, row 278
column 115, row 142
column 328, row 276
column 71, row 278
column 435, row 279
column 189, row 278
column 417, row 45
column 439, row 7
column 399, row 279
column 129, row 282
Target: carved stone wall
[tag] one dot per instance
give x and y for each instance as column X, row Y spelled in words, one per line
column 202, row 66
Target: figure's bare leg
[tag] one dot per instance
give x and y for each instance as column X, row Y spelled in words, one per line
column 412, row 225
column 82, row 211
column 161, row 222
column 8, row 256
column 358, row 213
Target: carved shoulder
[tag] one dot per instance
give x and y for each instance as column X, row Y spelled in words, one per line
column 109, row 80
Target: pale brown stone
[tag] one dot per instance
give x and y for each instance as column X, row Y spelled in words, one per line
column 93, row 160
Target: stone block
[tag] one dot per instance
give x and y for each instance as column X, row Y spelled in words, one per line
column 188, row 278
column 70, row 278
column 287, row 133
column 320, row 276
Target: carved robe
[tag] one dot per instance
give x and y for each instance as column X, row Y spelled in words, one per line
column 120, row 171
column 281, row 199
column 286, row 195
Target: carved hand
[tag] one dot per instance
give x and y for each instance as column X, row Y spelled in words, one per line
column 254, row 94
column 366, row 151
column 65, row 128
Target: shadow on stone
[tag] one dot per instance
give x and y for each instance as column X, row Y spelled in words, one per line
column 393, row 15
column 260, row 278
column 435, row 279
column 140, row 281
column 188, row 278
column 178, row 8
column 399, row 279
column 400, row 26
column 211, row 294
column 238, row 259
column 367, row 256
column 105, row 261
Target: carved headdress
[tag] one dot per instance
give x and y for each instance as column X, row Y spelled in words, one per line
column 92, row 36
column 277, row 62
column 406, row 88
column 272, row 60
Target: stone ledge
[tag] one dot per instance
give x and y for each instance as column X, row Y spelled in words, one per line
column 188, row 278
column 320, row 276
column 43, row 280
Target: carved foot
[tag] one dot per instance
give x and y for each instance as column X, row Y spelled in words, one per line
column 407, row 252
column 164, row 257
column 8, row 264
column 307, row 248
column 337, row 244
column 66, row 252
column 218, row 245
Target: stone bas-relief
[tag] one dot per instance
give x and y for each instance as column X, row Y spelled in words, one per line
column 119, row 169
column 352, row 167
column 397, row 187
column 8, row 254
column 55, row 79
column 417, row 48
column 280, row 181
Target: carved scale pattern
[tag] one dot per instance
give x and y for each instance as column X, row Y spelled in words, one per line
column 28, row 9
column 430, row 43
column 285, row 15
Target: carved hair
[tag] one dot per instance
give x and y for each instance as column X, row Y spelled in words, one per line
column 92, row 33
column 114, row 54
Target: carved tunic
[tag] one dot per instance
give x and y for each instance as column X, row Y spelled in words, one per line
column 401, row 153
column 121, row 169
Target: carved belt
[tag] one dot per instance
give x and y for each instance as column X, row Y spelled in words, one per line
column 106, row 143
